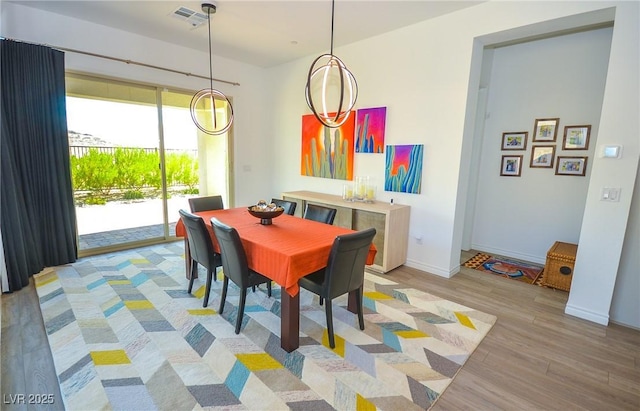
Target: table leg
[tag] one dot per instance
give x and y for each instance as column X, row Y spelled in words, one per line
column 290, row 322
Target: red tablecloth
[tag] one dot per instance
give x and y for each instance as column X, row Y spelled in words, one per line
column 286, row 250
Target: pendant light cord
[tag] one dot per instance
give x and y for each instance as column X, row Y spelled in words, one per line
column 333, row 5
column 210, row 55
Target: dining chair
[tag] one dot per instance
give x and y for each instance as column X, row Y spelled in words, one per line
column 344, row 273
column 289, row 206
column 319, row 213
column 235, row 267
column 206, row 203
column 202, row 251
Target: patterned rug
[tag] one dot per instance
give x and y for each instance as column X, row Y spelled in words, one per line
column 506, row 268
column 125, row 334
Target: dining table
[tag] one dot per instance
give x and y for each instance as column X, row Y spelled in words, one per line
column 284, row 251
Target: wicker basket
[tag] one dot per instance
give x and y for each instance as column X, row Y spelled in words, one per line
column 558, row 271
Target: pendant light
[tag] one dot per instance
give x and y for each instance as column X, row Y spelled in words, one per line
column 210, row 95
column 333, row 84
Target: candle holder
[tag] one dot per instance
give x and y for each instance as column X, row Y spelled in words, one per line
column 360, row 189
column 370, row 196
column 347, row 192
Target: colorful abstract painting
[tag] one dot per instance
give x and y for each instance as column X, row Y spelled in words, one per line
column 403, row 169
column 327, row 152
column 370, row 126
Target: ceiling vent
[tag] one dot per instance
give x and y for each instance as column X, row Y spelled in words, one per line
column 194, row 19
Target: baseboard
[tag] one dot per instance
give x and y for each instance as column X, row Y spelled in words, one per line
column 586, row 315
column 433, row 269
column 621, row 324
column 510, row 253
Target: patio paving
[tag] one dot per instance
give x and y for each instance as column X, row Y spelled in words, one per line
column 122, row 222
column 123, row 236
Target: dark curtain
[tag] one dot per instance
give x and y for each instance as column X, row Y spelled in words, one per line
column 37, row 213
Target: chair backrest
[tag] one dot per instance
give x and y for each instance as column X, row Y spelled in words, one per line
column 289, row 206
column 200, row 244
column 206, row 203
column 234, row 258
column 319, row 213
column 345, row 267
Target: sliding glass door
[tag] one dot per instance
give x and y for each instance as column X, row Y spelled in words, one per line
column 136, row 158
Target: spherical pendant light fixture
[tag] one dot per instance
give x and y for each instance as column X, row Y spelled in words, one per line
column 331, row 89
column 203, row 103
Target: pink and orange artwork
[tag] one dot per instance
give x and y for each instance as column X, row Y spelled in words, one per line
column 327, row 152
column 403, row 168
column 370, row 126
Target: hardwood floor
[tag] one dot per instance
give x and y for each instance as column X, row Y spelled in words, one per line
column 28, row 374
column 534, row 358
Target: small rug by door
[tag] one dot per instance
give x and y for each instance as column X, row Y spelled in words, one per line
column 125, row 334
column 507, row 268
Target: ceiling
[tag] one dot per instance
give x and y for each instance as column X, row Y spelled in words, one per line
column 263, row 33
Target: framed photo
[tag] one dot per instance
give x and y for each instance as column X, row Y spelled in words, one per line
column 571, row 166
column 511, row 166
column 542, row 156
column 576, row 137
column 545, row 129
column 515, row 140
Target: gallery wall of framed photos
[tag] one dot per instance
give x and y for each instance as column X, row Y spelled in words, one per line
column 544, row 146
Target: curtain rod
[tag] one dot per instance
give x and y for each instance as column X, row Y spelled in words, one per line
column 233, row 83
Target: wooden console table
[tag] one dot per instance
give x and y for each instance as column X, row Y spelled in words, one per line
column 390, row 221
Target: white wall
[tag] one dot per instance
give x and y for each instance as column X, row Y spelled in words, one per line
column 604, row 223
column 33, row 25
column 625, row 307
column 428, row 76
column 561, row 77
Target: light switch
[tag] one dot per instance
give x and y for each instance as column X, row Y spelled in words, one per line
column 611, row 151
column 610, row 194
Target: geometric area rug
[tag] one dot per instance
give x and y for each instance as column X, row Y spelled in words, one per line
column 125, row 335
column 506, row 268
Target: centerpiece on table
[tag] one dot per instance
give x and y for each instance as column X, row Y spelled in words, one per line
column 265, row 212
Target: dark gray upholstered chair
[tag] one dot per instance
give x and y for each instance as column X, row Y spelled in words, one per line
column 206, row 203
column 202, row 251
column 319, row 213
column 235, row 267
column 289, row 206
column 344, row 273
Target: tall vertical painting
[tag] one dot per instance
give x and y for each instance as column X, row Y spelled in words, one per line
column 327, row 152
column 370, row 126
column 403, row 169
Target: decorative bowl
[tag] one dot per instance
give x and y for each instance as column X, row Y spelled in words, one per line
column 265, row 215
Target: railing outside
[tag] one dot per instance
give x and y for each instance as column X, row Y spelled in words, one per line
column 80, row 151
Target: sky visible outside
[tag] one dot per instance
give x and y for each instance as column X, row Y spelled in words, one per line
column 131, row 125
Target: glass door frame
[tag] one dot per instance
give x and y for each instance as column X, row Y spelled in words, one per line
column 167, row 235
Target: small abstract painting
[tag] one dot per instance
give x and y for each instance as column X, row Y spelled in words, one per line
column 327, row 152
column 403, row 169
column 370, row 126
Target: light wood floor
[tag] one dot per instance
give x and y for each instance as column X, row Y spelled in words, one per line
column 534, row 358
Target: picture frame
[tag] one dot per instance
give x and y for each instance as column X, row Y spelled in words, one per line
column 542, row 156
column 515, row 140
column 511, row 166
column 545, row 129
column 571, row 166
column 576, row 137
